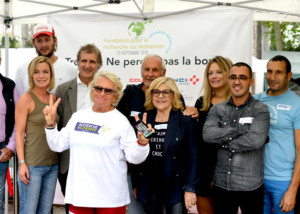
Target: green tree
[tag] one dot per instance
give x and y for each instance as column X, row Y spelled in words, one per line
column 13, row 42
column 283, row 36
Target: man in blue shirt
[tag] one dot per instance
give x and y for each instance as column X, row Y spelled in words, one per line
column 282, row 162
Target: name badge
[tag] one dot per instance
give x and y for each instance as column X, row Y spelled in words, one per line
column 133, row 113
column 244, row 120
column 284, row 107
column 161, row 126
column 87, row 127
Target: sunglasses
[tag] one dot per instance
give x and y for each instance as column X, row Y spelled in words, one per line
column 107, row 91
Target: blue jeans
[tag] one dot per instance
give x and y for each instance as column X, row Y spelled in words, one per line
column 3, row 172
column 37, row 196
column 274, row 191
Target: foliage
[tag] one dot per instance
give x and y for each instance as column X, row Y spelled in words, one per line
column 13, row 42
column 290, row 33
column 28, row 43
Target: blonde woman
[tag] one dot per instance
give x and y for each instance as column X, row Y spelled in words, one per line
column 38, row 166
column 167, row 179
column 101, row 141
column 216, row 90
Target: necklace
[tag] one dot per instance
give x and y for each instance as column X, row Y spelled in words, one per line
column 39, row 95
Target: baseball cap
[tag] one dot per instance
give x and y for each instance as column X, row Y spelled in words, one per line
column 43, row 29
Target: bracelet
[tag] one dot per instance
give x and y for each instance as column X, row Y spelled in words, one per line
column 50, row 126
column 138, row 142
column 21, row 161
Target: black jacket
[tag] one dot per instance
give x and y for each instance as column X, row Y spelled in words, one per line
column 180, row 159
column 8, row 95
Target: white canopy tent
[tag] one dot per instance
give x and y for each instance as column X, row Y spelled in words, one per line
column 37, row 11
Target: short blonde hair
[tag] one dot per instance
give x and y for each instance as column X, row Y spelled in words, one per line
column 170, row 83
column 32, row 66
column 112, row 77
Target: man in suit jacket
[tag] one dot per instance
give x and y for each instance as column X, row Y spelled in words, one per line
column 74, row 96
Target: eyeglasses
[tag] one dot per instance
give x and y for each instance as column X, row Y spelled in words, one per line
column 241, row 78
column 166, row 93
column 107, row 91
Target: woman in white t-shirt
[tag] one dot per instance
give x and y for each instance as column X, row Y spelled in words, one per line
column 101, row 141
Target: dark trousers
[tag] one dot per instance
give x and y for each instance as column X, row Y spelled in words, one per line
column 250, row 202
column 62, row 178
column 155, row 205
column 297, row 205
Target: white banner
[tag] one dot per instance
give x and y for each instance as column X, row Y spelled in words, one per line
column 186, row 42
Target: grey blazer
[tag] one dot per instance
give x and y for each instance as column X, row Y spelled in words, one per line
column 67, row 106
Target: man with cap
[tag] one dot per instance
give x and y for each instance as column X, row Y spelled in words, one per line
column 45, row 43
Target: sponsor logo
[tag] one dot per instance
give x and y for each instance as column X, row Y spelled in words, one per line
column 194, row 80
column 165, row 35
column 87, row 127
column 187, row 81
column 139, row 80
column 136, row 29
column 182, row 81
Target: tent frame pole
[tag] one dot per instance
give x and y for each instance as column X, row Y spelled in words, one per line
column 238, row 4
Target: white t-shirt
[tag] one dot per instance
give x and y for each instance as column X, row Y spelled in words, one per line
column 64, row 71
column 100, row 144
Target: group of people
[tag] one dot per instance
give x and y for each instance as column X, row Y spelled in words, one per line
column 230, row 151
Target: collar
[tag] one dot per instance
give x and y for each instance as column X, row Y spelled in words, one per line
column 79, row 82
column 248, row 101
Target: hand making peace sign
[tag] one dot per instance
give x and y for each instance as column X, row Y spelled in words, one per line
column 50, row 110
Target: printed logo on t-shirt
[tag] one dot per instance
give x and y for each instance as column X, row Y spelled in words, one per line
column 273, row 114
column 87, row 127
column 284, row 107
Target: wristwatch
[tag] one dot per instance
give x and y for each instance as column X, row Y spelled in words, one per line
column 21, row 161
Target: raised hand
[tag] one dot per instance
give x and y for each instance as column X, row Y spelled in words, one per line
column 50, row 110
column 141, row 137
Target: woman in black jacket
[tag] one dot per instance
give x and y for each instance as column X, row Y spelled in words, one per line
column 168, row 178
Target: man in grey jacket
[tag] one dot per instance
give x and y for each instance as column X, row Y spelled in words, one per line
column 240, row 126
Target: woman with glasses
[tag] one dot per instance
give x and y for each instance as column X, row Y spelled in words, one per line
column 216, row 90
column 38, row 166
column 166, row 181
column 101, row 141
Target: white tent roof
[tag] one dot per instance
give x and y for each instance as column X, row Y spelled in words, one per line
column 35, row 11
